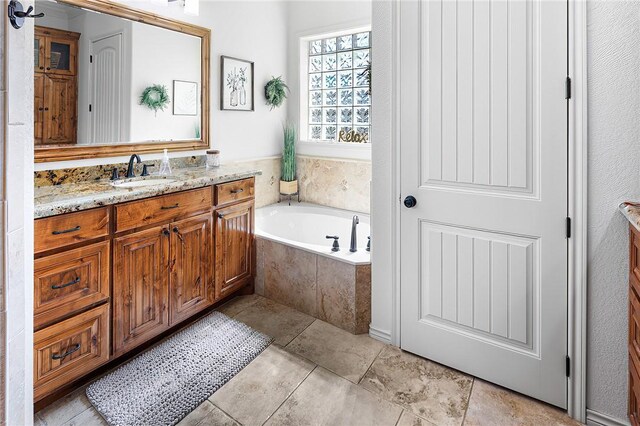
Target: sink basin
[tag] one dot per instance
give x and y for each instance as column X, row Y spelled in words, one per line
column 142, row 182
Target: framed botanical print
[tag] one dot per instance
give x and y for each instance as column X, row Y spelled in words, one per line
column 236, row 84
column 185, row 97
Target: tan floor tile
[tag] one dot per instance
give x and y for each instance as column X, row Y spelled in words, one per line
column 409, row 419
column 259, row 389
column 339, row 351
column 429, row 390
column 238, row 304
column 207, row 414
column 65, row 408
column 492, row 405
column 88, row 417
column 326, row 399
column 275, row 320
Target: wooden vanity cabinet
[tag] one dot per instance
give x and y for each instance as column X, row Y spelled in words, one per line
column 234, row 241
column 148, row 265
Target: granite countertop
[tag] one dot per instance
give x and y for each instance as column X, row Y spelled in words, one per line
column 73, row 197
column 632, row 212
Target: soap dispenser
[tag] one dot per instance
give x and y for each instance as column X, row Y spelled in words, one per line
column 165, row 167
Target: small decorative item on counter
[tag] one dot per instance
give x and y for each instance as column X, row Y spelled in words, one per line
column 276, row 92
column 155, row 97
column 213, row 158
column 165, row 167
column 288, row 181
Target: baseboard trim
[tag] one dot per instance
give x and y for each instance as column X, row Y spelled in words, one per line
column 598, row 419
column 383, row 336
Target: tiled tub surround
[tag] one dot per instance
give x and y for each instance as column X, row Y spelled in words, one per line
column 343, row 184
column 69, row 190
column 296, row 267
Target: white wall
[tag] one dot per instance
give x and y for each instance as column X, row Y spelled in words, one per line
column 383, row 203
column 159, row 56
column 252, row 30
column 16, row 288
column 614, row 176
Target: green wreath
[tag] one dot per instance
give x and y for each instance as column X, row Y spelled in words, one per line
column 276, row 92
column 155, row 97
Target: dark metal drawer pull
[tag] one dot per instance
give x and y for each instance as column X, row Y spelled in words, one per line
column 66, row 231
column 57, row 287
column 75, row 348
column 170, row 207
column 236, row 191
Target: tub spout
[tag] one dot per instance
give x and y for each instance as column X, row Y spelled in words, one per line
column 354, row 238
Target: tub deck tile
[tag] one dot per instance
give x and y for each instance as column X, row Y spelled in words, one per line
column 290, row 276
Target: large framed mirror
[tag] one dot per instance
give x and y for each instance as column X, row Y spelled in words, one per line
column 113, row 80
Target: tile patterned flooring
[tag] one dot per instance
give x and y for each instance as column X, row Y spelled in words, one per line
column 317, row 374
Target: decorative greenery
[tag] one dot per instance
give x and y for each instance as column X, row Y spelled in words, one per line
column 367, row 75
column 289, row 154
column 155, row 97
column 275, row 92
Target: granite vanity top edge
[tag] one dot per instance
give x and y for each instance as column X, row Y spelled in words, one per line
column 55, row 200
column 632, row 212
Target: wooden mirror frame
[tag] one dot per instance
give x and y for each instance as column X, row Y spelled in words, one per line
column 77, row 152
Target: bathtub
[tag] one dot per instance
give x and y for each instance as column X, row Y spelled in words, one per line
column 305, row 226
column 296, row 267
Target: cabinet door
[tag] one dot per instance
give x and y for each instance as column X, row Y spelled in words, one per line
column 38, row 107
column 191, row 278
column 60, row 55
column 140, row 288
column 59, row 109
column 234, row 240
column 38, row 53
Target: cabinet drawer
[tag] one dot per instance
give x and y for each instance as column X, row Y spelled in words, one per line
column 66, row 229
column 70, row 281
column 234, row 191
column 165, row 208
column 70, row 349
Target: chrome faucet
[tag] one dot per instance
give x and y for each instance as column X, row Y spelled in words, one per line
column 354, row 238
column 130, row 172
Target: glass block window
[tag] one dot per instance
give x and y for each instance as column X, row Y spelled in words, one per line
column 339, row 99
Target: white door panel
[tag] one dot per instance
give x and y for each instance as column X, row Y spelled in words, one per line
column 484, row 150
column 106, row 90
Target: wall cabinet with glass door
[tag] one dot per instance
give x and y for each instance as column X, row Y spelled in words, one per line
column 55, row 90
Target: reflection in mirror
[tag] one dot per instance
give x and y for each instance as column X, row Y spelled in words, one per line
column 91, row 70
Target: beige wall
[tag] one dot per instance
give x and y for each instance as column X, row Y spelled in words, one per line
column 343, row 184
column 16, row 312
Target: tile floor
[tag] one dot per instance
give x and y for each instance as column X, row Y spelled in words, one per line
column 317, row 374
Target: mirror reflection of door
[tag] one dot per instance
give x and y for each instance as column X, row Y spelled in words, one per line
column 106, row 90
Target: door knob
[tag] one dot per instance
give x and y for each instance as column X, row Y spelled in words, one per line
column 410, row 201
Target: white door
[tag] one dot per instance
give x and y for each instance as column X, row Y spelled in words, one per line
column 483, row 125
column 106, row 90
